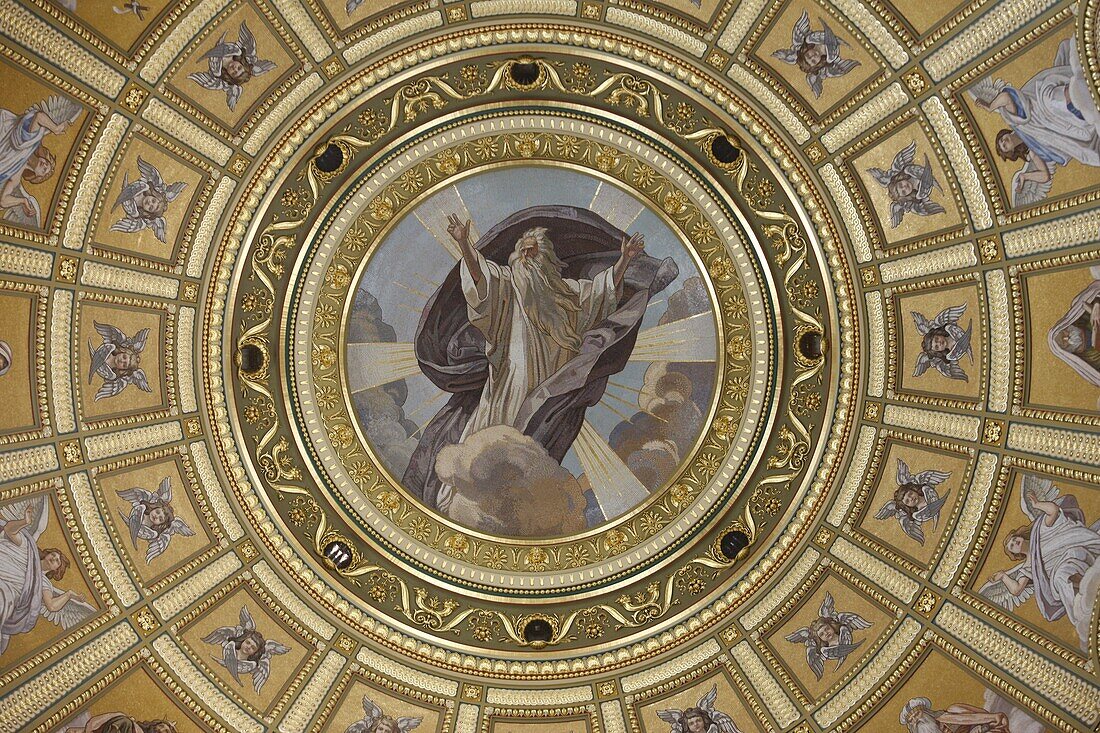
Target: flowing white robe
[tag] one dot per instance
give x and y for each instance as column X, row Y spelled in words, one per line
column 21, row 586
column 1079, row 314
column 1046, row 123
column 1057, row 553
column 520, row 355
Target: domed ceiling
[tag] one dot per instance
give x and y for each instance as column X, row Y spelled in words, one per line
column 549, row 366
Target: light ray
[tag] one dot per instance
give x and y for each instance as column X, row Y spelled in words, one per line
column 617, row 398
column 411, row 289
column 446, row 202
column 377, row 363
column 689, row 339
column 617, row 206
column 627, row 387
column 617, row 490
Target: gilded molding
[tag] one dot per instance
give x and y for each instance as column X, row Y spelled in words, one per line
column 78, row 221
column 966, row 526
column 641, row 23
column 183, row 31
column 466, row 721
column 185, row 346
column 611, row 712
column 947, row 424
column 1002, row 20
column 875, row 383
column 204, row 235
column 853, row 478
column 1074, row 695
column 741, row 22
column 109, row 277
column 383, row 37
column 1000, row 340
column 771, row 102
column 278, row 589
column 192, row 678
column 198, row 585
column 882, row 574
column 868, row 678
column 298, row 18
column 771, row 693
column 313, row 694
column 877, row 109
column 399, row 672
column 215, row 494
column 96, row 535
column 27, row 29
column 558, row 697
column 658, row 673
column 788, row 584
column 109, row 445
column 178, row 127
column 880, row 37
column 488, row 8
column 1067, row 231
column 929, row 262
column 61, row 374
column 1068, row 445
column 21, row 464
column 849, row 213
column 959, row 163
column 288, row 105
column 49, row 686
column 25, row 262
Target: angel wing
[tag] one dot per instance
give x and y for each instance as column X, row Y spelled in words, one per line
column 222, row 634
column 111, row 388
column 159, row 543
column 232, row 94
column 897, row 212
column 1044, row 490
column 174, row 190
column 130, row 189
column 931, row 510
column 129, row 224
column 949, row 315
column 70, row 615
column 911, row 527
column 39, row 505
column 800, row 31
column 815, row 660
column 109, row 333
column 160, row 228
column 839, row 652
column 904, row 158
column 840, row 67
column 18, row 215
column 1025, row 192
column 247, row 42
column 350, row 7
column 880, row 175
column 137, row 343
column 950, row 369
column 852, row 622
column 962, row 342
column 407, row 723
column 150, row 173
column 220, row 50
column 133, row 522
column 986, row 90
column 923, row 362
column 724, row 722
column 828, row 607
column 262, row 669
column 706, row 702
column 139, row 378
column 674, row 718
column 997, row 592
column 229, row 658
column 815, row 80
column 207, row 80
column 59, row 109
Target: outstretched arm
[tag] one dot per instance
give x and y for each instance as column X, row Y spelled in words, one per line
column 1049, row 508
column 461, row 233
column 54, row 603
column 1001, row 101
column 1015, row 587
column 629, row 249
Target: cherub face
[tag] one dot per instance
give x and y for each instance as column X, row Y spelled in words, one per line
column 235, row 69
column 910, row 498
column 826, row 634
column 1016, row 545
column 51, row 562
column 152, row 205
column 249, row 647
column 159, row 515
column 123, row 360
column 386, row 724
column 905, row 187
column 938, row 342
column 814, row 55
column 696, row 724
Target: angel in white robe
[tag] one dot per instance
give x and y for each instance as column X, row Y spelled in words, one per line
column 1058, row 558
column 1050, row 120
column 375, row 721
column 117, row 361
column 244, row 650
column 908, row 185
column 829, row 636
column 815, row 53
column 232, row 64
column 944, row 343
column 28, row 572
column 145, row 201
column 152, row 518
column 703, row 718
column 1075, row 338
column 915, row 501
column 23, row 157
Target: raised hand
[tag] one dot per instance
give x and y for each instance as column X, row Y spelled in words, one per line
column 631, row 248
column 459, row 232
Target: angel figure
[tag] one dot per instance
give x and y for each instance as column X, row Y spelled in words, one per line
column 1057, row 556
column 28, row 573
column 232, row 65
column 915, row 501
column 145, row 200
column 829, row 636
column 378, row 722
column 5, row 358
column 908, row 185
column 918, row 716
column 944, row 343
column 152, row 518
column 118, row 361
column 1075, row 338
column 23, row 157
column 115, row 722
column 1050, row 120
column 244, row 650
column 816, row 53
column 700, row 719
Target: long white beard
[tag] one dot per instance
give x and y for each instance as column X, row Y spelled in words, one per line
column 546, row 299
column 1075, row 339
column 924, row 723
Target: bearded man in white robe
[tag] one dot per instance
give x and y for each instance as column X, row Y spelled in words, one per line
column 1075, row 338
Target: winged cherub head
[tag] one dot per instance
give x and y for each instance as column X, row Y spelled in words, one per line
column 907, row 498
